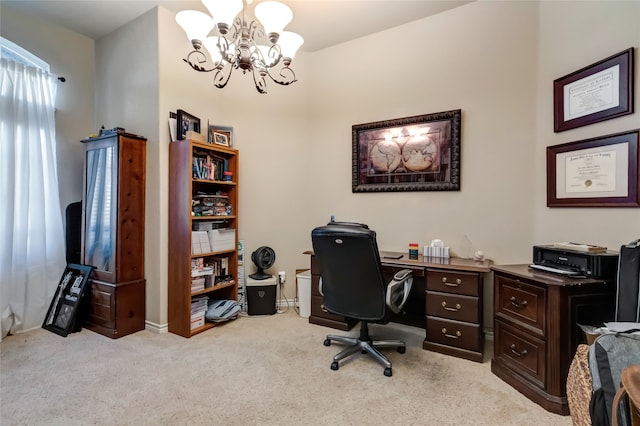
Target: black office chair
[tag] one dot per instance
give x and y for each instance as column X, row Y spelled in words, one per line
column 353, row 286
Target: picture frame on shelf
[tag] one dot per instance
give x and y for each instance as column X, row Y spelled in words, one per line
column 220, row 135
column 598, row 92
column 419, row 153
column 596, row 172
column 62, row 314
column 185, row 123
column 220, row 138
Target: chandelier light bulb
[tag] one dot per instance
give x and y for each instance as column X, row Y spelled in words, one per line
column 196, row 24
column 223, row 11
column 290, row 43
column 273, row 16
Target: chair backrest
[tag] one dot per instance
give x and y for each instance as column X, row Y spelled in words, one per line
column 352, row 280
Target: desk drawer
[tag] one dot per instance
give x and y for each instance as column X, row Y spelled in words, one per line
column 454, row 333
column 521, row 352
column 452, row 306
column 317, row 310
column 447, row 281
column 521, row 302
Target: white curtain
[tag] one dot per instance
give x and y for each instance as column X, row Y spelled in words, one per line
column 32, row 247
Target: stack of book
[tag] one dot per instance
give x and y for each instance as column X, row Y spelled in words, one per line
column 201, row 278
column 223, row 239
column 198, row 310
column 200, row 242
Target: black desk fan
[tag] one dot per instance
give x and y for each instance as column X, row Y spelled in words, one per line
column 263, row 257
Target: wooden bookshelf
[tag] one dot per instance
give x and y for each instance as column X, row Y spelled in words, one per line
column 186, row 181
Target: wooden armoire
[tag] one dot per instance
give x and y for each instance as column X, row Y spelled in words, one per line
column 113, row 233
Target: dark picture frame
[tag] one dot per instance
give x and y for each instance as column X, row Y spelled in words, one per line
column 217, row 135
column 419, row 153
column 596, row 172
column 62, row 314
column 598, row 92
column 186, row 122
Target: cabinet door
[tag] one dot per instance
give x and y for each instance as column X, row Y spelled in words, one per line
column 100, row 208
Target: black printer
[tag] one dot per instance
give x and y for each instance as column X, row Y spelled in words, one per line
column 577, row 264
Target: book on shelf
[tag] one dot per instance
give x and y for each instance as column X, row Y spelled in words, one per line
column 589, row 248
column 207, row 166
column 200, row 242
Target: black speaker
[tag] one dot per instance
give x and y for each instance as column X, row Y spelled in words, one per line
column 73, row 231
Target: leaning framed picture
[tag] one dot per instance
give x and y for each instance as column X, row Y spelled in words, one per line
column 221, row 135
column 186, row 122
column 598, row 92
column 62, row 314
column 596, row 172
column 419, row 153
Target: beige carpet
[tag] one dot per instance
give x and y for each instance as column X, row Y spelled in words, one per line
column 270, row 370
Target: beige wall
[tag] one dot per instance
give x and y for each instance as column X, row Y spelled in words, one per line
column 572, row 36
column 494, row 60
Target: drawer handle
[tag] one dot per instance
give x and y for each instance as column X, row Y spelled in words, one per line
column 456, row 284
column 516, row 353
column 448, row 308
column 517, row 304
column 451, row 336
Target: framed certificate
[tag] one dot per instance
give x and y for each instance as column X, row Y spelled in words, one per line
column 598, row 92
column 597, row 172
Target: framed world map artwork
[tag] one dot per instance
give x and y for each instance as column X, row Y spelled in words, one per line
column 419, row 153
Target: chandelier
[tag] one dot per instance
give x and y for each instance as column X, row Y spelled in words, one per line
column 235, row 43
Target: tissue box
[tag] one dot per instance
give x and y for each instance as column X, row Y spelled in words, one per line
column 429, row 251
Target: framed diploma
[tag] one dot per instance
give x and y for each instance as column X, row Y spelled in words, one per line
column 599, row 92
column 597, row 172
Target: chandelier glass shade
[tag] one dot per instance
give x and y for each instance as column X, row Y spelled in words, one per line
column 225, row 41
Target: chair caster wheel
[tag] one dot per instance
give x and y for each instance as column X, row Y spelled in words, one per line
column 335, row 366
column 402, row 349
column 387, row 372
column 327, row 342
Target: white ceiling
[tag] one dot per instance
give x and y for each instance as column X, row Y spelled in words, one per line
column 322, row 23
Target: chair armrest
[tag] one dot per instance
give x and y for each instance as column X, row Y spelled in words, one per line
column 320, row 287
column 398, row 290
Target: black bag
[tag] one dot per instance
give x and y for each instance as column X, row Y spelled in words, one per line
column 609, row 354
column 628, row 290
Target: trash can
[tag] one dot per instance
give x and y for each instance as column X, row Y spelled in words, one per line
column 261, row 296
column 303, row 280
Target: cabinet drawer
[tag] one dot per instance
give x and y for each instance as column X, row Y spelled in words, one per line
column 317, row 310
column 452, row 306
column 102, row 305
column 454, row 333
column 521, row 302
column 458, row 282
column 523, row 353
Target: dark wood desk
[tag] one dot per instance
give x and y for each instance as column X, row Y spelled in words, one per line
column 536, row 332
column 446, row 300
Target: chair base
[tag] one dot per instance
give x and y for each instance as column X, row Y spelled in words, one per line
column 365, row 345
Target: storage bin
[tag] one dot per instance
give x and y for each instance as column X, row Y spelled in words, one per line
column 303, row 280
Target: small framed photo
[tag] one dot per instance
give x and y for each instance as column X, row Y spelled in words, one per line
column 596, row 172
column 220, row 138
column 598, row 92
column 185, row 123
column 221, row 135
column 62, row 315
